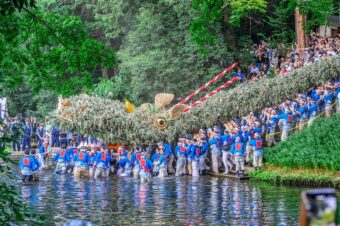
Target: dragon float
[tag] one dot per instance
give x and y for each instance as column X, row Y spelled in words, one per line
column 113, row 121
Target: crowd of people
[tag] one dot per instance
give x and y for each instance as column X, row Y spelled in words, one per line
column 282, row 61
column 231, row 145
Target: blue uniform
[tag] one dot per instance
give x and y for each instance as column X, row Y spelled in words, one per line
column 62, row 157
column 93, row 158
column 136, row 157
column 303, row 112
column 26, row 142
column 36, row 164
column 72, row 152
column 238, row 149
column 156, row 157
column 146, row 165
column 42, row 150
column 55, row 137
column 82, row 159
column 288, row 118
column 181, row 152
column 195, row 153
column 257, row 145
column 168, row 150
column 103, row 160
column 27, row 165
column 122, row 162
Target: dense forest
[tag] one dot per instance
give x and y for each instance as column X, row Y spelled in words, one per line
column 134, row 49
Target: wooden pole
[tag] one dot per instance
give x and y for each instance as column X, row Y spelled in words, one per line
column 300, row 30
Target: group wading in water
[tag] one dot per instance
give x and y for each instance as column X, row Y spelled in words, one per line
column 225, row 147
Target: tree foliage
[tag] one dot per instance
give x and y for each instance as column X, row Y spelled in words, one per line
column 8, row 7
column 50, row 51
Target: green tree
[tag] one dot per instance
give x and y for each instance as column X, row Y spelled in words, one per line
column 50, row 51
column 280, row 21
column 158, row 54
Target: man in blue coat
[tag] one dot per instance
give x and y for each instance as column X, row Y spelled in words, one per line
column 62, row 158
column 26, row 140
column 181, row 152
column 226, row 154
column 102, row 164
column 125, row 165
column 238, row 151
column 81, row 160
column 288, row 120
column 257, row 145
column 35, row 173
column 146, row 167
column 27, row 166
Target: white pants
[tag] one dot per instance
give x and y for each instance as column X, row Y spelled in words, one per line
column 101, row 172
column 180, row 166
column 163, row 172
column 136, row 171
column 215, row 159
column 285, row 132
column 226, row 161
column 239, row 162
column 144, row 176
column 257, row 161
column 195, row 169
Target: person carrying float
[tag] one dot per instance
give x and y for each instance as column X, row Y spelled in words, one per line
column 189, row 145
column 62, row 158
column 257, row 145
column 156, row 161
column 27, row 166
column 195, row 153
column 226, row 154
column 93, row 156
column 136, row 156
column 203, row 145
column 146, row 167
column 72, row 151
column 215, row 144
column 81, row 162
column 181, row 152
column 35, row 173
column 238, row 152
column 102, row 164
column 288, row 119
column 124, row 165
column 44, row 153
column 163, row 164
column 169, row 155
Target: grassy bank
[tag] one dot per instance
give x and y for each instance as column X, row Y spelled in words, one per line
column 299, row 177
column 310, row 157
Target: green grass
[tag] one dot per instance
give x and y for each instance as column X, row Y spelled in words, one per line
column 316, row 147
column 307, row 177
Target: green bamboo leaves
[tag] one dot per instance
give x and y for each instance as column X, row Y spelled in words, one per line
column 109, row 120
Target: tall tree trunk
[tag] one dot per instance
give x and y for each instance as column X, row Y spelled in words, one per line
column 227, row 28
column 301, row 36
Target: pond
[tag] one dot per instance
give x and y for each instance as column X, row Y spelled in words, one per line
column 169, row 201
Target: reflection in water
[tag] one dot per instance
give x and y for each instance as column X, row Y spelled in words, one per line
column 181, row 200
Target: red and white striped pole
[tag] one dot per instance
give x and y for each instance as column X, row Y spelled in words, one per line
column 208, row 84
column 210, row 94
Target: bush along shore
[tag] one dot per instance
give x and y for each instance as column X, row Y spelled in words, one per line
column 310, row 157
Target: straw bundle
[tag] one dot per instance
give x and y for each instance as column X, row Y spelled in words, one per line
column 163, row 99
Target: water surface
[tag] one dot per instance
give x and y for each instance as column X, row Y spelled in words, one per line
column 169, row 201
